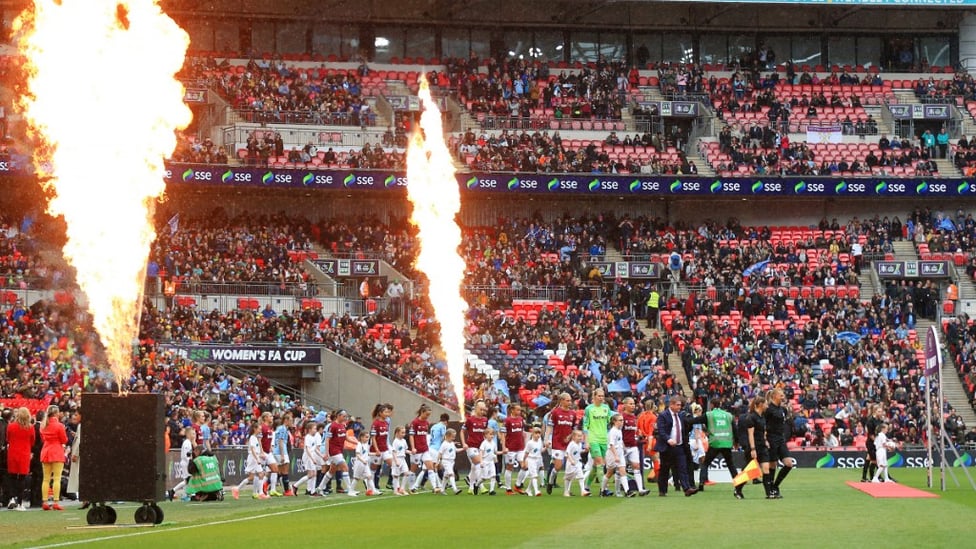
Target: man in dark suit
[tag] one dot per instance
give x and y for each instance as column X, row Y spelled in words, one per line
column 671, row 436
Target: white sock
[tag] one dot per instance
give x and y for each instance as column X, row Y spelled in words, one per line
column 639, row 479
column 396, row 483
column 535, row 485
column 603, row 482
column 582, row 483
column 243, row 483
column 435, row 482
column 621, row 483
column 258, row 486
column 325, row 482
column 369, row 483
column 273, row 485
column 521, row 477
column 299, row 482
column 346, row 482
column 179, row 486
column 508, row 479
column 475, row 475
column 552, row 476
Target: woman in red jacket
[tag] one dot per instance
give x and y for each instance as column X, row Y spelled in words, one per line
column 52, row 457
column 20, row 439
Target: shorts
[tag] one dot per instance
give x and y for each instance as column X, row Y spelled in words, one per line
column 598, row 449
column 386, row 455
column 448, row 466
column 374, row 460
column 337, row 460
column 421, row 458
column 514, row 458
column 778, row 451
column 282, row 459
column 872, row 449
column 762, row 454
column 632, row 454
column 473, row 453
column 360, row 470
column 252, row 466
column 574, row 471
column 557, row 454
column 310, row 463
column 270, row 460
column 532, row 467
column 881, row 455
column 400, row 467
column 612, row 461
column 488, row 469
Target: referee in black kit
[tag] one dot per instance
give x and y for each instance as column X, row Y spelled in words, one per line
column 876, row 416
column 752, row 438
column 777, row 432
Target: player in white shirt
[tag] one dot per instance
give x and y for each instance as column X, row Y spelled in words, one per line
column 254, row 466
column 616, row 460
column 574, row 465
column 882, row 445
column 186, row 454
column 399, row 448
column 311, row 460
column 489, row 457
column 361, row 470
column 446, row 457
column 533, row 460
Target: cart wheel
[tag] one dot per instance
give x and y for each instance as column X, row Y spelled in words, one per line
column 159, row 513
column 109, row 515
column 96, row 515
column 145, row 515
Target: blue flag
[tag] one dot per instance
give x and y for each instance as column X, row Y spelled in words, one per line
column 541, row 400
column 642, row 384
column 849, row 337
column 619, row 386
column 595, row 370
column 502, row 387
column 756, row 268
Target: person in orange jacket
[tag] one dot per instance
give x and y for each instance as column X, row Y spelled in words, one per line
column 646, row 422
column 55, row 440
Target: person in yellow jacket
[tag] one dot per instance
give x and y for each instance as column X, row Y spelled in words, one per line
column 653, row 308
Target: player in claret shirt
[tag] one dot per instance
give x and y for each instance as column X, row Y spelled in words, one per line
column 267, row 439
column 472, row 435
column 559, row 428
column 420, row 453
column 632, row 444
column 380, row 433
column 513, row 445
column 336, row 435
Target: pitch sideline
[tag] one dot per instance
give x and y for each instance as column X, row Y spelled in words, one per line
column 213, row 523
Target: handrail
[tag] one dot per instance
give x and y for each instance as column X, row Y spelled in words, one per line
column 309, row 117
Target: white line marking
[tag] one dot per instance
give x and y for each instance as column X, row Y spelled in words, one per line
column 214, row 523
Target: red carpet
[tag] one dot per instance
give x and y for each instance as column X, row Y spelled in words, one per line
column 889, row 490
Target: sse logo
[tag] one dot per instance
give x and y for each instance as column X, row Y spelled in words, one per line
column 227, row 176
column 513, row 184
column 840, row 188
column 675, row 186
column 963, row 188
column 188, row 175
column 594, row 185
column 553, row 184
column 922, row 188
column 715, row 187
column 800, row 187
column 635, row 185
column 757, row 187
column 348, row 180
column 267, row 178
column 472, row 183
column 826, row 462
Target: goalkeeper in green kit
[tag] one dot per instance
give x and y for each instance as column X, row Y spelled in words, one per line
column 718, row 423
column 596, row 419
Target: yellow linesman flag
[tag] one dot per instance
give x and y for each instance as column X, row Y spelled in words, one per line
column 751, row 472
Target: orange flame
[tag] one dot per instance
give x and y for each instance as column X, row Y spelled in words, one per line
column 103, row 100
column 433, row 190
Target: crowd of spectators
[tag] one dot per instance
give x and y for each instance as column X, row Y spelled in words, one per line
column 540, row 152
column 759, row 149
column 219, row 253
column 516, row 87
column 272, row 91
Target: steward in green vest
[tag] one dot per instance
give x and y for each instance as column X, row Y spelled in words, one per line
column 205, row 483
column 653, row 308
column 718, row 423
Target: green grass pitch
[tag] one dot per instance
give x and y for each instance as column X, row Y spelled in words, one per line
column 818, row 510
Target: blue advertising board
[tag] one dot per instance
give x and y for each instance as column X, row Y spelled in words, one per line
column 575, row 184
column 568, row 184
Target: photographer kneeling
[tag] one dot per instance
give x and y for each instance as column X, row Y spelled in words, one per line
column 205, row 483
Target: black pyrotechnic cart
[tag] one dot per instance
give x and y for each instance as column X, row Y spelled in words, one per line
column 122, row 457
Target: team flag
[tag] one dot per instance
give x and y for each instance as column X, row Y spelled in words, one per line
column 751, row 472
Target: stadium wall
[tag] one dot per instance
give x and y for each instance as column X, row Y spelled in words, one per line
column 356, row 390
